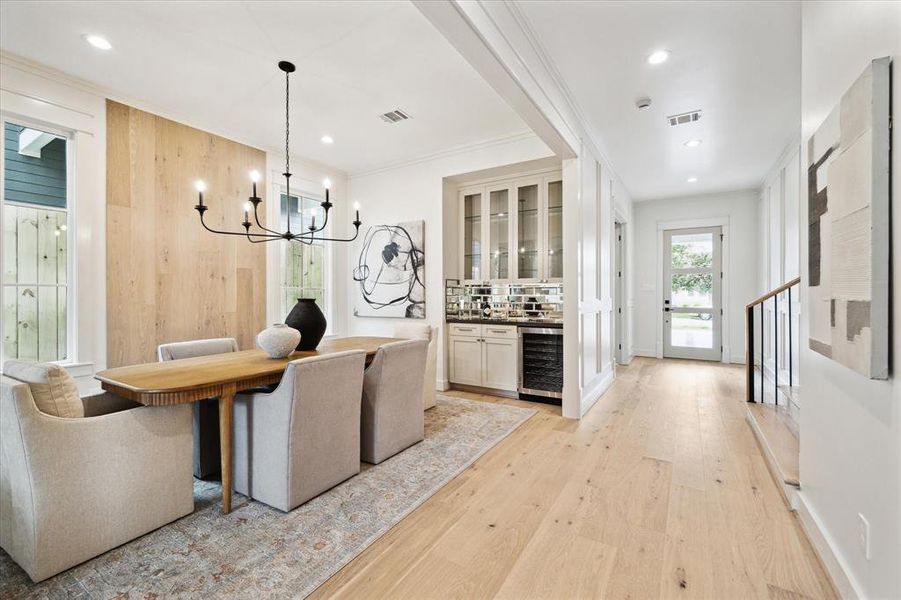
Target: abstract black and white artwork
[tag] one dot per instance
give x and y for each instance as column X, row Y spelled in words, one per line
column 390, row 272
column 848, row 227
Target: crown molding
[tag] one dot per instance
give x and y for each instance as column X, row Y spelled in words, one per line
column 456, row 150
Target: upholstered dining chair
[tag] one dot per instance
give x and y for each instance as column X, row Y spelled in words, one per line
column 423, row 331
column 80, row 476
column 392, row 414
column 206, row 412
column 303, row 438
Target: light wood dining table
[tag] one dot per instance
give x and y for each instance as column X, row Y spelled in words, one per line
column 218, row 376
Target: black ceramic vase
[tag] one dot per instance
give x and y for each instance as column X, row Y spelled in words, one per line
column 306, row 318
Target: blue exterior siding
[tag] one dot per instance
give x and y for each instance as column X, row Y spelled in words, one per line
column 39, row 181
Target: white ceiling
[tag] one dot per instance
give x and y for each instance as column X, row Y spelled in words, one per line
column 212, row 64
column 738, row 61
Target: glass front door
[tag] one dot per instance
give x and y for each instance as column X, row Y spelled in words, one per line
column 692, row 285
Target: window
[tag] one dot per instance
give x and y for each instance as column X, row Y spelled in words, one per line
column 303, row 272
column 35, row 251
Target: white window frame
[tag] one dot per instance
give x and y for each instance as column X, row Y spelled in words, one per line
column 71, row 223
column 278, row 190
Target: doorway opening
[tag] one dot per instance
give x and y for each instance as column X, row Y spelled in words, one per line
column 692, row 293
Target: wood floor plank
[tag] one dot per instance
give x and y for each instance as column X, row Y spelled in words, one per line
column 659, row 491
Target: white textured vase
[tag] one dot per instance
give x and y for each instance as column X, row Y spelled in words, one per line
column 279, row 340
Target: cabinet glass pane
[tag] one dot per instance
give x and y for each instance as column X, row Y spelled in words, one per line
column 527, row 225
column 499, row 204
column 555, row 229
column 472, row 236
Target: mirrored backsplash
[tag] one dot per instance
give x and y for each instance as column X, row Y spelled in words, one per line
column 503, row 300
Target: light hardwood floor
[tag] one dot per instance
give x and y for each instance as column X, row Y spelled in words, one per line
column 659, row 492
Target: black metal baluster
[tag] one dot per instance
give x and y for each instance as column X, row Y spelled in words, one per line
column 776, row 349
column 791, row 378
column 762, row 351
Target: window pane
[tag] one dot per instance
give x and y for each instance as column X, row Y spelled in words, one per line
column 500, row 233
column 691, row 330
column 692, row 290
column 35, row 245
column 692, row 251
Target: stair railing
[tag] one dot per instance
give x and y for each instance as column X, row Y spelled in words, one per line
column 750, row 355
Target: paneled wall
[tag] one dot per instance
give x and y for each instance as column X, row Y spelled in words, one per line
column 167, row 278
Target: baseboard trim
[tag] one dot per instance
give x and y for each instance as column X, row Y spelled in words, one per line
column 442, row 385
column 644, row 352
column 475, row 389
column 842, row 580
column 596, row 391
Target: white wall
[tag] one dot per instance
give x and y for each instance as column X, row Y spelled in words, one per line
column 45, row 98
column 739, row 209
column 413, row 192
column 850, row 425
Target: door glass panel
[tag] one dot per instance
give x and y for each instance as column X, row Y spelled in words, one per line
column 692, row 290
column 691, row 330
column 499, row 203
column 555, row 228
column 527, row 208
column 692, row 251
column 472, row 236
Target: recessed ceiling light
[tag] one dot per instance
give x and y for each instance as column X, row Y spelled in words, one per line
column 693, row 143
column 691, row 179
column 98, row 42
column 658, row 57
column 327, row 139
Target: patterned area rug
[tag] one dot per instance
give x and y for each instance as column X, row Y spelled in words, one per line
column 257, row 551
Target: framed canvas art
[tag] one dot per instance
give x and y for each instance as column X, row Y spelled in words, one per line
column 848, row 227
column 390, row 272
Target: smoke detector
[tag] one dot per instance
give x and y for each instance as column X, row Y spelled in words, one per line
column 643, row 103
column 684, row 118
column 394, row 116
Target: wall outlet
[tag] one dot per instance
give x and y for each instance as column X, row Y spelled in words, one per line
column 863, row 535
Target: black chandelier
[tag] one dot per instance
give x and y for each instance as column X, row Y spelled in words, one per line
column 268, row 235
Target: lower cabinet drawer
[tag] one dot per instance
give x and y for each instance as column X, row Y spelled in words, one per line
column 462, row 329
column 499, row 331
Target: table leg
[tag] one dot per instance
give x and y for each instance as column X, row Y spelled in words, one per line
column 226, row 401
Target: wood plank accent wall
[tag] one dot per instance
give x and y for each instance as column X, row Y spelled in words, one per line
column 168, row 279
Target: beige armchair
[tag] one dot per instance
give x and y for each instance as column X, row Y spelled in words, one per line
column 392, row 415
column 303, row 438
column 423, row 331
column 73, row 488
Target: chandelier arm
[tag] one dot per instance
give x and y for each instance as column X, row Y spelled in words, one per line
column 263, row 241
column 246, row 233
column 326, row 239
column 256, row 218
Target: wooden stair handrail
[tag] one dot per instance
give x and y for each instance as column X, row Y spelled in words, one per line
column 772, row 293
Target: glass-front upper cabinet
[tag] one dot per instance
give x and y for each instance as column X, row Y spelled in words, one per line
column 554, row 229
column 499, row 221
column 512, row 230
column 472, row 235
column 528, row 229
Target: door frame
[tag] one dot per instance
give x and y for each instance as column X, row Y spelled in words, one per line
column 725, row 263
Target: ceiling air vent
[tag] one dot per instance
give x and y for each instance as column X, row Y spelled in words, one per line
column 684, row 118
column 395, row 116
